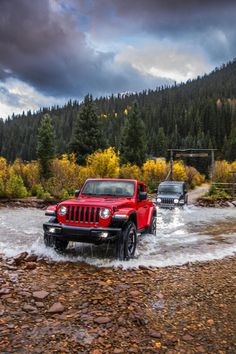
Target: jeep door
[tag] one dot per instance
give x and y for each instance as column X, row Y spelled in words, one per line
column 142, row 208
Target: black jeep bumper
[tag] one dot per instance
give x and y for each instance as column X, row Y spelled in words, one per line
column 95, row 235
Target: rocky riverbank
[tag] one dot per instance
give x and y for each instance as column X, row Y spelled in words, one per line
column 216, row 202
column 31, row 202
column 49, row 307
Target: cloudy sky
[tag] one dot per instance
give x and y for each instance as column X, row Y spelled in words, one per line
column 54, row 50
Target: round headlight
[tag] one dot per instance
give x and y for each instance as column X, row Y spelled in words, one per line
column 158, row 200
column 62, row 210
column 176, row 201
column 104, row 213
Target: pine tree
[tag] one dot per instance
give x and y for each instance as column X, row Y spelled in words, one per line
column 134, row 146
column 87, row 135
column 160, row 143
column 46, row 146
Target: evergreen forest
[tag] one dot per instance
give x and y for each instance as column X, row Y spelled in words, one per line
column 198, row 114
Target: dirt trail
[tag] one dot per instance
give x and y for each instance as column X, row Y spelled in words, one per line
column 196, row 193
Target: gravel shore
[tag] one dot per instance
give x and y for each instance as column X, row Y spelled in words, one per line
column 49, row 307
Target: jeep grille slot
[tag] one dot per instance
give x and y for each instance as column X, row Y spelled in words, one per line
column 82, row 214
column 167, row 200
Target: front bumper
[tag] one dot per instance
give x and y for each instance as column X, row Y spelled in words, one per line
column 169, row 205
column 93, row 235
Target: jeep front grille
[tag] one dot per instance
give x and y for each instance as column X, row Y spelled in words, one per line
column 82, row 214
column 167, row 200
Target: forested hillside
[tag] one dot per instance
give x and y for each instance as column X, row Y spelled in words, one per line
column 200, row 114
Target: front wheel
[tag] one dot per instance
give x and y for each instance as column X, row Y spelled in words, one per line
column 48, row 240
column 153, row 226
column 60, row 245
column 127, row 242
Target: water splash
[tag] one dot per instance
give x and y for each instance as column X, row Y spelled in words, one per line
column 183, row 235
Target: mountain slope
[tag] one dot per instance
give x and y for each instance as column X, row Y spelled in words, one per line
column 200, row 113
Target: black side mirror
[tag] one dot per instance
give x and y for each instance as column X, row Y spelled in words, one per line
column 142, row 196
column 77, row 192
column 155, row 190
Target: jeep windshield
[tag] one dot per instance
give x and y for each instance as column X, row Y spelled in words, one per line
column 169, row 189
column 108, row 188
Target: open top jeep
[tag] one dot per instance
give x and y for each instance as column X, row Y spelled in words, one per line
column 105, row 210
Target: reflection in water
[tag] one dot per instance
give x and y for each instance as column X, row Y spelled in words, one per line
column 183, row 235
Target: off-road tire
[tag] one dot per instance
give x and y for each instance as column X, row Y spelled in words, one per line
column 60, row 245
column 49, row 239
column 127, row 242
column 153, row 226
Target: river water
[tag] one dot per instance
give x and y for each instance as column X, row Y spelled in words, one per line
column 188, row 235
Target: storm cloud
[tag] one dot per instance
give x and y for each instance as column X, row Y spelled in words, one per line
column 41, row 44
column 68, row 48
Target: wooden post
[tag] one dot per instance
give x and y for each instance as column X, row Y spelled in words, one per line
column 212, row 165
column 171, row 165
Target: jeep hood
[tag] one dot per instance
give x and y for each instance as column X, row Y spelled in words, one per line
column 166, row 195
column 101, row 202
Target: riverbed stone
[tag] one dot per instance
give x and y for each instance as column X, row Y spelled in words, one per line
column 40, row 294
column 57, row 307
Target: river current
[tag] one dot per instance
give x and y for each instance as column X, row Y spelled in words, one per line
column 183, row 235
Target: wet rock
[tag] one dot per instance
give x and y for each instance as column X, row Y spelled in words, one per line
column 4, row 291
column 134, row 293
column 40, row 294
column 57, row 307
column 39, row 304
column 154, row 334
column 31, row 258
column 187, row 338
column 102, row 320
column 118, row 351
column 20, row 258
column 229, row 204
column 29, row 308
column 30, row 266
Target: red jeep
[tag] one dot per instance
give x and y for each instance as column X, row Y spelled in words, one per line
column 104, row 210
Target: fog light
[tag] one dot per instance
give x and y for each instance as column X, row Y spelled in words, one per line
column 52, row 230
column 104, row 234
column 181, row 201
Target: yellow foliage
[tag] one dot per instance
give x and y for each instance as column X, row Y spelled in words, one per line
column 194, row 178
column 154, row 172
column 104, row 163
column 233, row 166
column 179, row 172
column 126, row 112
column 31, row 174
column 3, row 168
column 222, row 171
column 16, row 167
column 65, row 176
column 130, row 171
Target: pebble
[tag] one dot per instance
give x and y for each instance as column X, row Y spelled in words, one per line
column 102, row 320
column 40, row 294
column 57, row 307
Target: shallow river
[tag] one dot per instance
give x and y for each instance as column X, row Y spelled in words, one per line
column 188, row 235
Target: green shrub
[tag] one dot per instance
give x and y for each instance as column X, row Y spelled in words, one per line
column 2, row 188
column 217, row 193
column 212, row 190
column 15, row 187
